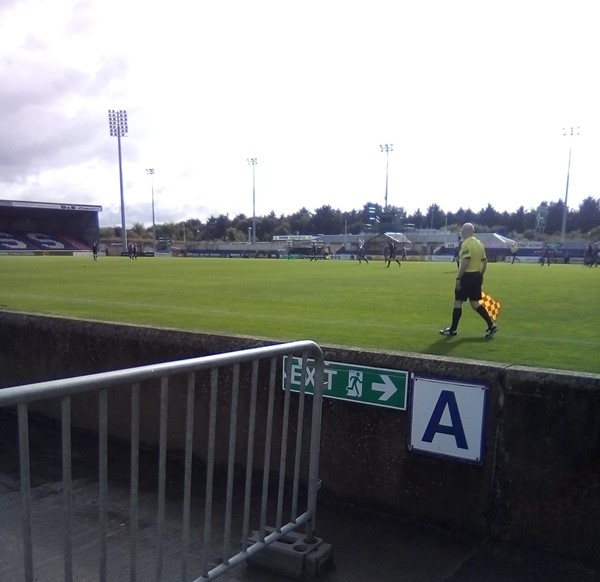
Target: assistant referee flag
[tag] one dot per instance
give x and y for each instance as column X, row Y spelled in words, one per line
column 491, row 305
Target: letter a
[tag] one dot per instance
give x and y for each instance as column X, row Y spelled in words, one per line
column 447, row 398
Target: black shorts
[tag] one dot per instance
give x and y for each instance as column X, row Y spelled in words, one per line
column 470, row 287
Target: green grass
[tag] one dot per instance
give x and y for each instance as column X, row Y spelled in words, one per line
column 550, row 315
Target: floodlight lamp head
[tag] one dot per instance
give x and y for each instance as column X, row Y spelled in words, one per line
column 117, row 122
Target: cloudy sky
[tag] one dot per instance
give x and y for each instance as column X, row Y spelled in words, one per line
column 473, row 95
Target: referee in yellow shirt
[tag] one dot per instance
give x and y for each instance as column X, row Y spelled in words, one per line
column 473, row 262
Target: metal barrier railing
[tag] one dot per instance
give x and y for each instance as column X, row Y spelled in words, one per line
column 250, row 375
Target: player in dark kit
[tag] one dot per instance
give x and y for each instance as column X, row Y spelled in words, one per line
column 545, row 256
column 132, row 250
column 362, row 256
column 391, row 255
column 95, row 250
column 456, row 257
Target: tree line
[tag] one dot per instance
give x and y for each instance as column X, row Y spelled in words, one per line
column 542, row 223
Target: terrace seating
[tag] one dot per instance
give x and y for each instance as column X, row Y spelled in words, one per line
column 38, row 241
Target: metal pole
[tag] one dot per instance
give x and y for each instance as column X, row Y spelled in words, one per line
column 123, row 227
column 253, row 162
column 153, row 220
column 563, row 230
column 117, row 123
column 387, row 166
column 150, row 172
column 387, row 148
column 571, row 131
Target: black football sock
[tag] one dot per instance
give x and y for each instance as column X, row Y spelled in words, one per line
column 456, row 315
column 483, row 312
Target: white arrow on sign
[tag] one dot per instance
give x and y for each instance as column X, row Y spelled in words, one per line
column 388, row 388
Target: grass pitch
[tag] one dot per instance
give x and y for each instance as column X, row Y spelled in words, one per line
column 550, row 316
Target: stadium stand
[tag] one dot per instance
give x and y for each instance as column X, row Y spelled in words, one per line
column 47, row 228
column 39, row 241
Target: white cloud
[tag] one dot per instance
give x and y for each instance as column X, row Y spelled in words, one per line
column 472, row 94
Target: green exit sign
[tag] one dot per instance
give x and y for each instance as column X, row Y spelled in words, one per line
column 362, row 384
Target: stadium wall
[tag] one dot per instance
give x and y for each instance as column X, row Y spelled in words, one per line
column 538, row 484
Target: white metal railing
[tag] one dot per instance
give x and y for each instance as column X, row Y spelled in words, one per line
column 253, row 374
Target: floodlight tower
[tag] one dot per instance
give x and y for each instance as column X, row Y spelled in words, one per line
column 150, row 172
column 387, row 148
column 253, row 162
column 117, row 123
column 570, row 132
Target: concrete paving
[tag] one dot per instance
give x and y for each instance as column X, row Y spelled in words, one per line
column 366, row 546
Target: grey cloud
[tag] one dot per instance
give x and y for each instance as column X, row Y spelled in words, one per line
column 35, row 131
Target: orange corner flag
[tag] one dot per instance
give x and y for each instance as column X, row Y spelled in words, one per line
column 491, row 305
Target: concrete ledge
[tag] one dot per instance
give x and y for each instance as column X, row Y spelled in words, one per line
column 539, row 485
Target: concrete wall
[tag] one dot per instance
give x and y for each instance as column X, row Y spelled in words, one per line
column 538, row 486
